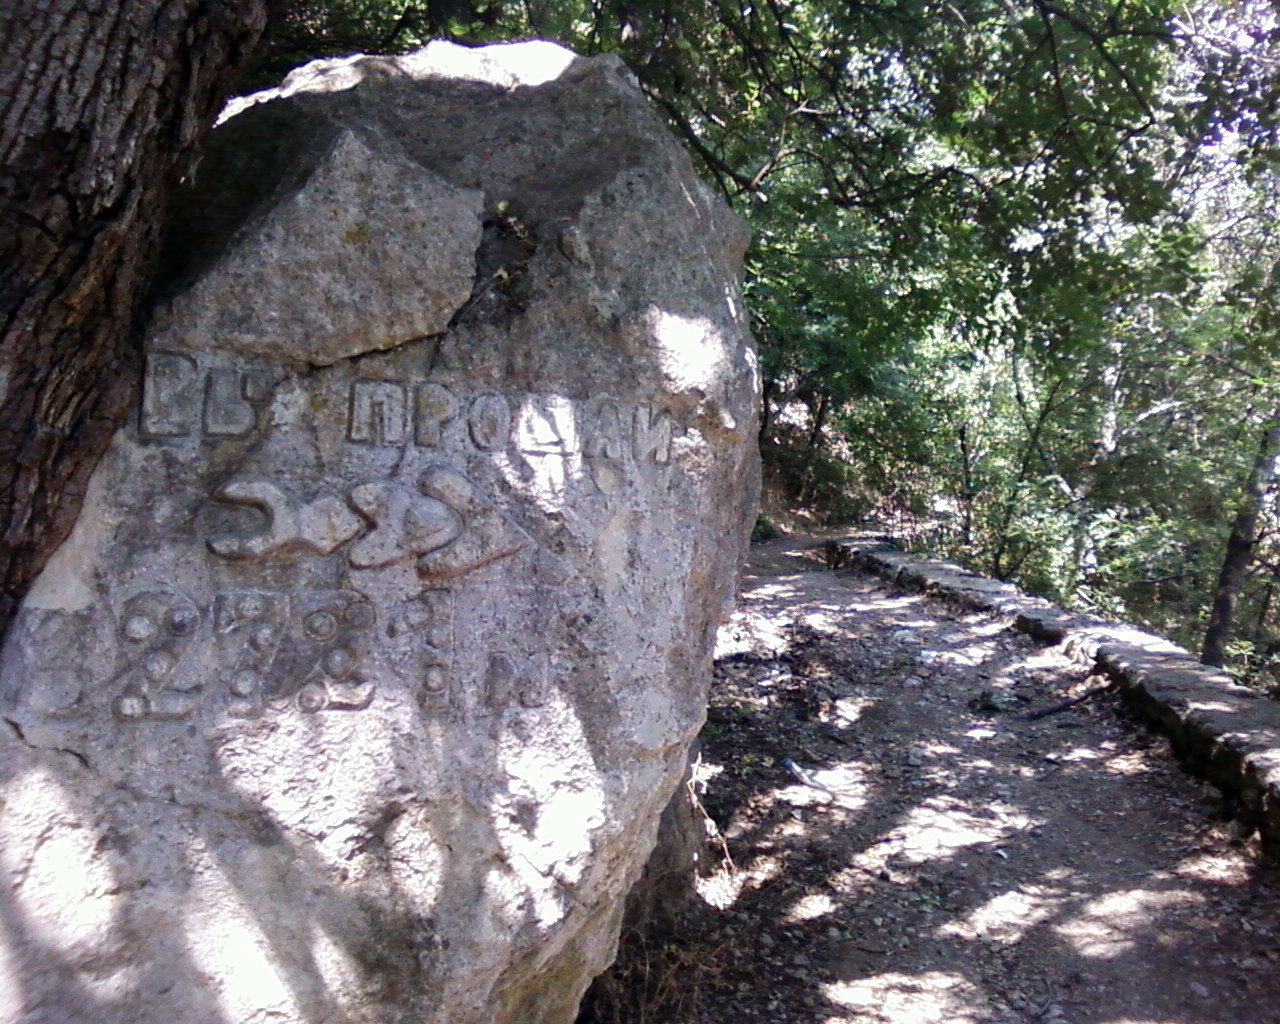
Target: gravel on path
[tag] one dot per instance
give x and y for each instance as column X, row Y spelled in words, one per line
column 897, row 840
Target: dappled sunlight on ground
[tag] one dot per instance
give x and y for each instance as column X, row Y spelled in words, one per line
column 1005, row 918
column 942, row 825
column 929, row 997
column 1119, row 922
column 943, row 856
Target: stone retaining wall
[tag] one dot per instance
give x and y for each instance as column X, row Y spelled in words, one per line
column 1220, row 730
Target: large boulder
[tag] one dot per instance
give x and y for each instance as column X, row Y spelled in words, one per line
column 359, row 688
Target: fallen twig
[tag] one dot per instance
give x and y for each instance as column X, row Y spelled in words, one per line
column 1072, row 702
column 691, row 787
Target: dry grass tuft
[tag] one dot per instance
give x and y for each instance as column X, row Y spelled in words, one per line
column 656, row 980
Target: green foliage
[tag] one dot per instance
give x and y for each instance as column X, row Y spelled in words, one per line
column 304, row 30
column 764, row 529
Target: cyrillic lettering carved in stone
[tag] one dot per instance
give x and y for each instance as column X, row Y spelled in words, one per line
column 170, row 395
column 608, row 437
column 435, row 406
column 226, row 409
column 547, row 425
column 653, row 433
column 516, row 680
column 489, row 420
column 379, row 412
column 180, row 399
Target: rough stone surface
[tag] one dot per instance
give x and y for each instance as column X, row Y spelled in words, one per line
column 359, row 689
column 372, row 251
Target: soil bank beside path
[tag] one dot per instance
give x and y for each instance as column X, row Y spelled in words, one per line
column 942, row 857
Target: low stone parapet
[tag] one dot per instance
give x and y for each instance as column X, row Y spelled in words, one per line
column 1220, row 730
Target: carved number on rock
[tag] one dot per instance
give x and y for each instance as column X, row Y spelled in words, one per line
column 155, row 629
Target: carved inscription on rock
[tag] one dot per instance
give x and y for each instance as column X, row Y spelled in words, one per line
column 380, row 413
column 358, row 687
column 184, row 398
column 156, row 630
column 445, row 522
column 489, row 422
column 322, row 525
column 308, row 652
column 249, row 626
column 181, row 399
column 396, row 500
column 486, row 536
column 512, row 678
column 435, row 407
column 406, row 523
column 418, row 645
column 320, row 667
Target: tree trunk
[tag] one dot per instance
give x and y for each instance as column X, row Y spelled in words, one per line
column 1244, row 531
column 102, row 105
column 1260, row 622
column 1000, row 567
column 768, row 394
column 811, row 449
column 966, row 485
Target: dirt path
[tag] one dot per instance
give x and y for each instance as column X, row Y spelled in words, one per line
column 964, row 864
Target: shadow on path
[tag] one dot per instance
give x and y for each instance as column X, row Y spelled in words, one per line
column 964, row 864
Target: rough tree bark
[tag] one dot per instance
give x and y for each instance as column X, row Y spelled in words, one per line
column 102, row 106
column 810, row 457
column 1240, row 543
